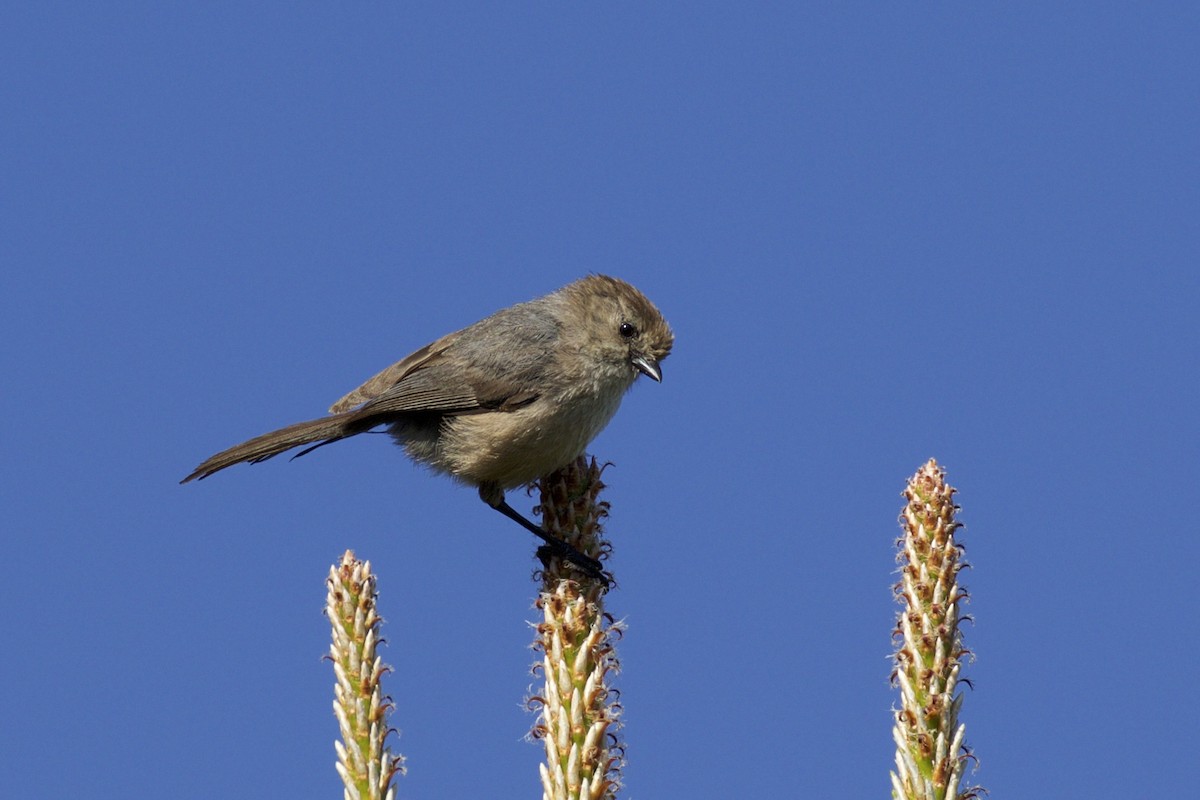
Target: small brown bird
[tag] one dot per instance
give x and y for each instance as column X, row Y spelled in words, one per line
column 503, row 402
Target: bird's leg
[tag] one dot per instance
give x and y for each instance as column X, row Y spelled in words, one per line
column 494, row 497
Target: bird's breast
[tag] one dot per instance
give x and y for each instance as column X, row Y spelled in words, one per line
column 514, row 448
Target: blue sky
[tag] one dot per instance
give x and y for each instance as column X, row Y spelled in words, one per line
column 881, row 233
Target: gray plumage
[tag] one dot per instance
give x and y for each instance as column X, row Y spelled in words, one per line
column 504, row 401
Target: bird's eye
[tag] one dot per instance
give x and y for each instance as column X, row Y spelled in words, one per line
column 628, row 330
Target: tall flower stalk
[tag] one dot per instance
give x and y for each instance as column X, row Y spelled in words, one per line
column 364, row 762
column 578, row 718
column 930, row 755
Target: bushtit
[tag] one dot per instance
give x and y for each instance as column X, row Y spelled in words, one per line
column 503, row 402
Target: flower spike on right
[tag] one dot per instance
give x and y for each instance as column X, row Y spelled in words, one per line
column 930, row 754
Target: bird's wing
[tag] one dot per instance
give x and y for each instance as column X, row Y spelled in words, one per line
column 444, row 387
column 497, row 364
column 390, row 377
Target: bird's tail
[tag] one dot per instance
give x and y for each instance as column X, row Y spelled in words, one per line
column 315, row 432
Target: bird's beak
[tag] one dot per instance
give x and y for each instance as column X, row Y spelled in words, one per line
column 648, row 366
